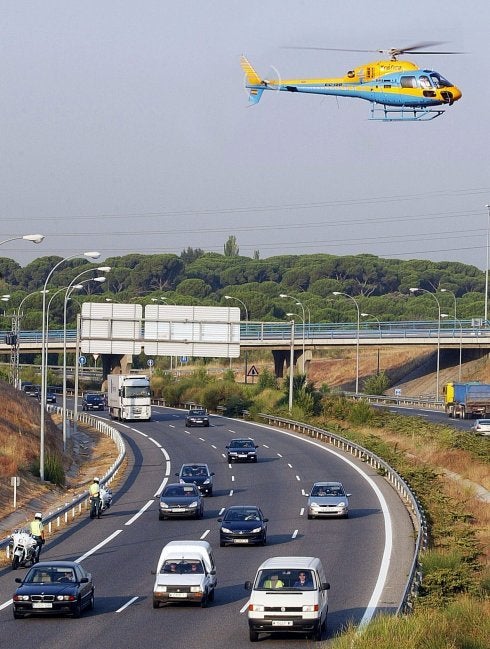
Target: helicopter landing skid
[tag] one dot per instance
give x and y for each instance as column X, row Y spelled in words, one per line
column 404, row 114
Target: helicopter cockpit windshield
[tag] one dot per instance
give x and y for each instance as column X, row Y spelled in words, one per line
column 440, row 82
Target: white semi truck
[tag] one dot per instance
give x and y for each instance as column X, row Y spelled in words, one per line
column 129, row 396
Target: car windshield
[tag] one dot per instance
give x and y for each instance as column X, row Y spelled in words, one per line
column 49, row 575
column 194, row 471
column 183, row 567
column 272, row 579
column 240, row 443
column 199, row 413
column 324, row 490
column 131, row 391
column 174, row 491
column 242, row 515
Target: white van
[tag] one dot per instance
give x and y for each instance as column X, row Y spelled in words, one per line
column 186, row 572
column 289, row 594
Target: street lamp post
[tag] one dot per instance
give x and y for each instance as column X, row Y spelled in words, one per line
column 460, row 324
column 16, row 332
column 291, row 367
column 357, row 337
column 232, row 297
column 486, row 265
column 88, row 255
column 35, row 238
column 299, row 303
column 370, row 315
column 296, row 315
column 423, row 290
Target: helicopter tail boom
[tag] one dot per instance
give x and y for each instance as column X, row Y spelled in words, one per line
column 252, row 81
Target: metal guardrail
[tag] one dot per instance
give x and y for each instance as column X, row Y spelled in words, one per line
column 53, row 520
column 408, row 497
column 425, row 401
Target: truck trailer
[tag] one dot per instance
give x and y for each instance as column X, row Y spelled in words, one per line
column 466, row 400
column 129, row 397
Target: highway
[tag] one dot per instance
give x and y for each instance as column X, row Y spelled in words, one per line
column 367, row 556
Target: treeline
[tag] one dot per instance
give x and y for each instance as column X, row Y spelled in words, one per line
column 380, row 286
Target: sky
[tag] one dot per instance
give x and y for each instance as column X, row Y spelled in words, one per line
column 126, row 129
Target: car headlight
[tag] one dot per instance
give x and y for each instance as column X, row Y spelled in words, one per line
column 256, row 607
column 161, row 589
column 196, row 589
column 226, row 530
column 310, row 608
column 341, row 504
column 65, row 598
column 206, row 481
column 256, row 530
column 21, row 598
column 163, row 505
column 193, row 504
column 313, row 504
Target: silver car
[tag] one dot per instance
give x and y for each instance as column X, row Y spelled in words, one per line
column 328, row 499
column 481, row 427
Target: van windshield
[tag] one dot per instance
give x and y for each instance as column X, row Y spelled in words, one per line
column 183, row 567
column 274, row 579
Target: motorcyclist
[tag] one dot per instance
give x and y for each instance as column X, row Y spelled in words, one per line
column 36, row 529
column 94, row 491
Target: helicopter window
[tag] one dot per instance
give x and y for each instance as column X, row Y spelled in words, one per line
column 408, row 82
column 439, row 82
column 424, row 82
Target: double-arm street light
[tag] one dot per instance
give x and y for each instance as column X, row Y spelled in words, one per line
column 299, row 303
column 370, row 315
column 439, row 315
column 87, row 255
column 357, row 336
column 232, row 297
column 296, row 315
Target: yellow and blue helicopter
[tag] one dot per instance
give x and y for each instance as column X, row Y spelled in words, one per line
column 397, row 90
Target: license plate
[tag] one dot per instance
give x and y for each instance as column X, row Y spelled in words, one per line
column 282, row 623
column 181, row 595
column 42, row 605
column 177, row 510
column 240, row 540
column 242, row 455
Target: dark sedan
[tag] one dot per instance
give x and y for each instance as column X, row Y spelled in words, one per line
column 243, row 525
column 54, row 587
column 179, row 500
column 198, row 474
column 197, row 417
column 242, row 450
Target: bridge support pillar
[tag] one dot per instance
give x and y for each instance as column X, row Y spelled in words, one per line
column 116, row 364
column 281, row 360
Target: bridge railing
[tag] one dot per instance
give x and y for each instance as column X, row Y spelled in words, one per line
column 54, row 519
column 403, row 489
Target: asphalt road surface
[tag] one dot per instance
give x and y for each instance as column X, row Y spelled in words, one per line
column 367, row 556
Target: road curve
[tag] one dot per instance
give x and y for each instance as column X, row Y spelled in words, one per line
column 367, row 556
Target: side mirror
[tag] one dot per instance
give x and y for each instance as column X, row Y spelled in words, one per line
column 153, row 572
column 266, row 520
column 213, row 473
column 220, row 520
column 176, row 474
column 325, row 585
column 212, row 572
column 348, row 495
column 257, row 446
column 248, row 585
column 227, row 447
column 18, row 580
column 84, row 580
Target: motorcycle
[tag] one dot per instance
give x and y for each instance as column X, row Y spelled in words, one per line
column 23, row 548
column 101, row 504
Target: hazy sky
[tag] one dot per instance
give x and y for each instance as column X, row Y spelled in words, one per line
column 126, row 128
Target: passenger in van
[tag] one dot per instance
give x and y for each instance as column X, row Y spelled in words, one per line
column 170, row 566
column 303, row 581
column 273, row 582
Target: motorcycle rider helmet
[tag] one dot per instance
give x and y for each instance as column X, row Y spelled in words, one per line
column 38, row 515
column 96, row 480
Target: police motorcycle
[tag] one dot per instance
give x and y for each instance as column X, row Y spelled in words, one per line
column 22, row 547
column 101, row 504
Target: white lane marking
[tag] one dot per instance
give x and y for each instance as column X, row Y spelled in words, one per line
column 388, row 544
column 265, row 445
column 213, row 446
column 139, row 432
column 171, row 426
column 141, row 511
column 279, row 455
column 155, row 442
column 5, row 604
column 202, row 439
column 301, row 511
column 131, row 601
column 233, row 478
column 290, row 465
column 231, row 492
column 97, row 547
column 204, row 535
column 244, row 607
column 188, row 432
column 303, row 492
column 295, row 534
column 231, row 431
column 298, row 478
column 221, row 511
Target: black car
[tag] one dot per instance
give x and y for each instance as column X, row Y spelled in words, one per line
column 243, row 525
column 51, row 587
column 197, row 417
column 198, row 474
column 180, row 500
column 93, row 402
column 242, row 450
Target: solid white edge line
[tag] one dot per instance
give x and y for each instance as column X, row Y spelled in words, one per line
column 131, row 601
column 141, row 511
column 161, row 487
column 97, row 547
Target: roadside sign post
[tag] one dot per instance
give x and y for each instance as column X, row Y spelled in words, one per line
column 15, row 482
column 150, row 362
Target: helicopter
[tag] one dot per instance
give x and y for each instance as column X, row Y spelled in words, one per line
column 397, row 90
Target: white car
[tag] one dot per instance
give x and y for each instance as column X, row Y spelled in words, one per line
column 328, row 499
column 481, row 427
